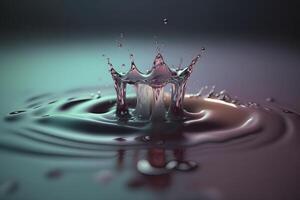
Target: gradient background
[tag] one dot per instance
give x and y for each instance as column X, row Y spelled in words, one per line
column 253, row 52
column 252, row 46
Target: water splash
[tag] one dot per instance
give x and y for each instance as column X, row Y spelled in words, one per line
column 159, row 76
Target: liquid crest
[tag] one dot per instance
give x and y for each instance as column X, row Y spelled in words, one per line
column 153, row 81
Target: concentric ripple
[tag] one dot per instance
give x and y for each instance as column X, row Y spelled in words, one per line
column 81, row 126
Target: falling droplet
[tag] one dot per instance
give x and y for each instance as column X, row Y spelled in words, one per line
column 165, row 21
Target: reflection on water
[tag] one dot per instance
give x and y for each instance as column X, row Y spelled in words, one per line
column 158, row 157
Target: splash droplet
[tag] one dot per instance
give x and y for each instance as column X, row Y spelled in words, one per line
column 165, row 21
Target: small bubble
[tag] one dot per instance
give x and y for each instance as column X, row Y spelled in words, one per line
column 131, row 57
column 147, row 138
column 165, row 21
column 172, row 164
column 98, row 96
column 234, row 101
column 145, row 167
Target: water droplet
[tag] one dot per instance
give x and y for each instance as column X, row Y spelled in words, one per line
column 144, row 167
column 146, row 138
column 203, row 49
column 172, row 164
column 131, row 57
column 165, row 21
column 98, row 96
